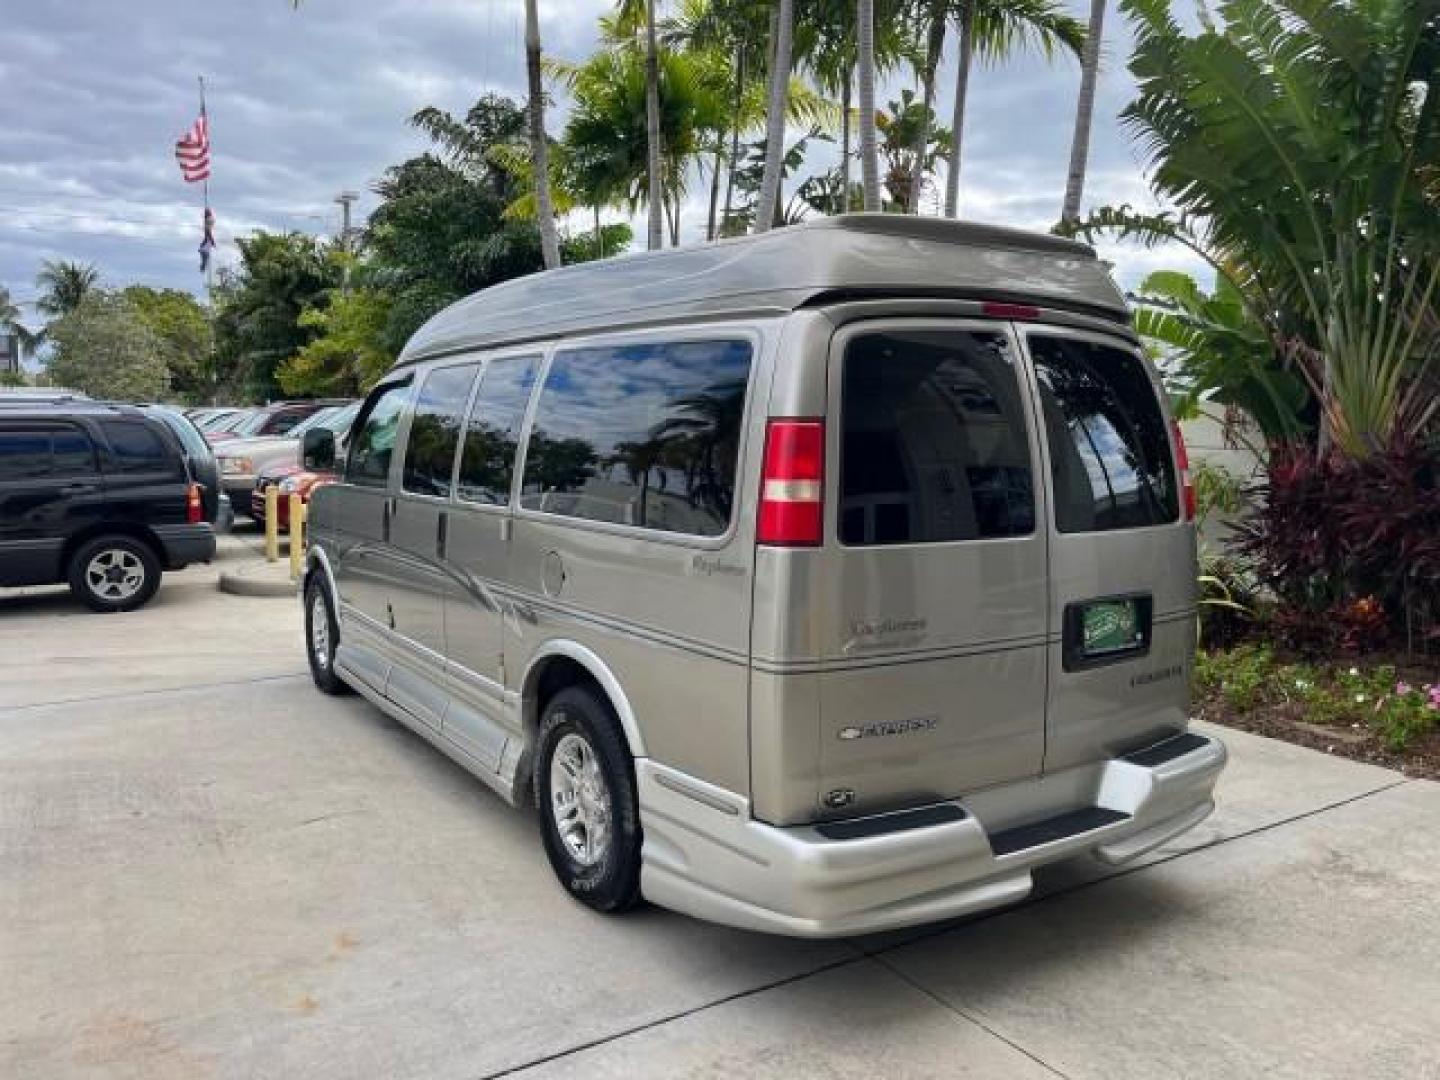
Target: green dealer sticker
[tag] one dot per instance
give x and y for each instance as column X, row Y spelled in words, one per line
column 1111, row 626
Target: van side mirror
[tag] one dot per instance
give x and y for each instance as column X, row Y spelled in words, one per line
column 317, row 450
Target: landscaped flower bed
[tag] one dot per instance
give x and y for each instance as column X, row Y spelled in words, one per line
column 1373, row 710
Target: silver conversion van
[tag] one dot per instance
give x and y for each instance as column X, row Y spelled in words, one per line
column 817, row 582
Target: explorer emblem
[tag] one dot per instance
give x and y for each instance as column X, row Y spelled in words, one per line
column 888, row 727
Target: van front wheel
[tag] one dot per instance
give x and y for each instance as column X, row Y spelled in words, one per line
column 585, row 795
column 322, row 634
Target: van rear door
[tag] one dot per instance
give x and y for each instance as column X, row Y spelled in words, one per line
column 932, row 678
column 1122, row 562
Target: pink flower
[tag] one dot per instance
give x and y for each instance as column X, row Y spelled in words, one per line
column 1403, row 687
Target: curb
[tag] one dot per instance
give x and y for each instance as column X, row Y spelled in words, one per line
column 259, row 578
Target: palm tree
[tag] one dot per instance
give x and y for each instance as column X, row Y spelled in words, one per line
column 991, row 30
column 10, row 322
column 632, row 25
column 539, row 145
column 723, row 28
column 1341, row 267
column 826, row 42
column 935, row 13
column 782, row 40
column 63, row 286
column 1084, row 113
column 606, row 143
column 9, row 311
column 655, row 233
column 865, row 75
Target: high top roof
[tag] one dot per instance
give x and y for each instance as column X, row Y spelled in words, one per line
column 853, row 255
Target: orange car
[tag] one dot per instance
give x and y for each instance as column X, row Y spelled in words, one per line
column 291, row 479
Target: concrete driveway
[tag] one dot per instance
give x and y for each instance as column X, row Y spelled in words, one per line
column 209, row 869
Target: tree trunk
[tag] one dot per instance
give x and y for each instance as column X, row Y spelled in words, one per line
column 655, row 194
column 539, row 145
column 775, row 118
column 865, row 70
column 734, row 141
column 845, row 139
column 1084, row 113
column 599, row 235
column 935, row 42
column 717, row 164
column 957, row 124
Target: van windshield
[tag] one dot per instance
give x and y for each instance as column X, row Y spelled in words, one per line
column 1109, row 445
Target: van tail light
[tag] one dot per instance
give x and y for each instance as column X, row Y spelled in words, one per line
column 792, row 484
column 1182, row 462
column 194, row 507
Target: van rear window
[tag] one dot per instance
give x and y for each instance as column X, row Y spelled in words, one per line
column 644, row 435
column 1109, row 444
column 934, row 444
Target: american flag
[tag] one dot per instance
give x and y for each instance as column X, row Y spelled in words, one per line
column 192, row 151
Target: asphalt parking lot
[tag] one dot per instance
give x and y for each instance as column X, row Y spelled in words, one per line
column 209, row 869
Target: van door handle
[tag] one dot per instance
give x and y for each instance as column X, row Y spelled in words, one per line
column 442, row 533
column 77, row 489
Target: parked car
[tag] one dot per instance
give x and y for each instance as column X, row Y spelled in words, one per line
column 220, row 427
column 274, row 419
column 820, row 582
column 243, row 460
column 289, row 480
column 97, row 495
column 198, row 457
column 200, row 416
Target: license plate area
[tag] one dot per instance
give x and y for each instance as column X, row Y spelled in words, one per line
column 1107, row 630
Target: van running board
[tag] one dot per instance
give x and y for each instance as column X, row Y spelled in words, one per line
column 1048, row 831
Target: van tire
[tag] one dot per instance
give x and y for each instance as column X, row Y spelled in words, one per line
column 576, row 719
column 129, row 558
column 318, row 605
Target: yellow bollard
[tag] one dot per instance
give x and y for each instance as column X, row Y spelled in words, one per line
column 297, row 535
column 272, row 523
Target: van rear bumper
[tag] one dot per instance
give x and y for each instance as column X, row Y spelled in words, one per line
column 704, row 855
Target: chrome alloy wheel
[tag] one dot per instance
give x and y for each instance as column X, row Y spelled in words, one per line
column 115, row 574
column 320, row 631
column 580, row 800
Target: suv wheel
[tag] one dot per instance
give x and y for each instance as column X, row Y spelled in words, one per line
column 322, row 634
column 114, row 573
column 585, row 795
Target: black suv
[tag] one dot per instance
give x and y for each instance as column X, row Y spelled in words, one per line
column 98, row 495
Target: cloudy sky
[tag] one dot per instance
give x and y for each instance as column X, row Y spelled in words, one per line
column 93, row 94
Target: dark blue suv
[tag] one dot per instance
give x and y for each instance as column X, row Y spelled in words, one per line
column 97, row 495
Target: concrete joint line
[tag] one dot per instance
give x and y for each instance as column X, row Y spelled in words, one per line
column 661, row 1021
column 1001, row 912
column 967, row 1017
column 151, row 693
column 878, row 955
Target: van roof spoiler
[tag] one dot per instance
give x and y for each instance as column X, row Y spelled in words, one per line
column 779, row 271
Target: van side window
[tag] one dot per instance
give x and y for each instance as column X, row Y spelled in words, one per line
column 373, row 441
column 435, row 430
column 933, row 440
column 136, row 448
column 1109, row 446
column 643, row 435
column 492, row 436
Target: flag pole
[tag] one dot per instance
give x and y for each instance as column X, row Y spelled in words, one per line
column 209, row 263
